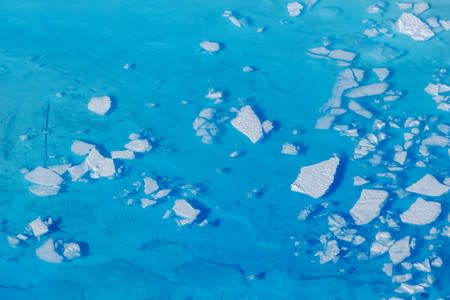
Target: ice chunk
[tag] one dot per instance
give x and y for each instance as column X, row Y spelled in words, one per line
column 289, row 149
column 44, row 176
column 99, row 165
column 210, row 46
column 78, row 171
column 368, row 206
column 404, row 5
column 147, row 202
column 382, row 243
column 183, row 209
column 294, row 9
column 400, row 250
column 400, row 157
column 214, row 94
column 161, row 194
column 247, row 69
column 382, row 73
column 321, row 51
column 81, row 148
column 122, row 154
column 248, row 123
column 411, row 25
column 421, row 212
column 410, row 289
column 330, row 252
column 358, row 181
column 344, row 81
column 445, row 24
column 71, row 250
column 229, row 15
column 267, row 126
column 358, row 109
column 315, row 180
column 428, row 186
column 44, row 191
column 421, row 7
column 47, row 252
column 139, row 145
column 368, row 90
column 150, row 185
column 342, row 55
column 100, row 105
column 38, row 227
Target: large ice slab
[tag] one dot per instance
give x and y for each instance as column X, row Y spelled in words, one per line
column 421, row 212
column 400, row 250
column 44, row 176
column 100, row 105
column 428, row 186
column 47, row 252
column 369, row 90
column 414, row 27
column 99, row 165
column 315, row 180
column 368, row 206
column 184, row 210
column 248, row 123
column 138, row 145
column 81, row 148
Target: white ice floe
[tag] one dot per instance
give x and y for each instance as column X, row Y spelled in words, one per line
column 99, row 165
column 400, row 157
column 414, row 27
column 359, row 110
column 44, row 191
column 365, row 146
column 368, row 206
column 210, row 46
column 71, row 250
column 150, row 185
column 214, row 94
column 421, row 212
column 247, row 69
column 383, row 241
column 47, row 252
column 248, row 123
column 145, row 202
column 60, row 169
column 433, row 141
column 340, row 54
column 404, row 5
column 421, row 7
column 138, row 145
column 100, row 105
column 229, row 15
column 382, row 73
column 204, row 125
column 315, row 180
column 81, row 148
column 294, row 9
column 289, row 149
column 410, row 289
column 330, row 253
column 78, row 171
column 424, row 266
column 43, row 176
column 123, row 154
column 184, row 210
column 428, row 186
column 161, row 194
column 38, row 227
column 445, row 24
column 358, row 181
column 369, row 90
column 400, row 250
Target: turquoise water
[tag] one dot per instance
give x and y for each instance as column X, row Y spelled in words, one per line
column 55, row 56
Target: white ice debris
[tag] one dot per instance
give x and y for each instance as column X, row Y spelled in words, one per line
column 421, row 212
column 204, row 125
column 382, row 73
column 289, row 149
column 43, row 190
column 100, row 105
column 358, row 181
column 214, row 94
column 248, row 123
column 145, row 202
column 368, row 206
column 410, row 289
column 38, row 227
column 330, row 253
column 150, row 185
column 383, row 241
column 210, row 46
column 400, row 250
column 44, row 176
column 247, row 69
column 47, row 252
column 184, row 210
column 267, row 126
column 161, row 194
column 71, row 250
column 369, row 90
column 428, row 186
column 315, row 180
column 294, row 9
column 138, row 145
column 78, row 171
column 445, row 24
column 122, row 154
column 81, row 148
column 421, row 7
column 229, row 15
column 60, row 169
column 99, row 165
column 411, row 25
column 342, row 55
column 404, row 5
column 358, row 109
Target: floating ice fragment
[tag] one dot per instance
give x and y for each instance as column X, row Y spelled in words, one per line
column 247, row 69
column 368, row 206
column 214, row 94
column 81, row 148
column 374, row 9
column 358, row 181
column 183, row 209
column 161, row 194
column 321, row 51
column 411, row 25
column 342, row 55
column 122, row 154
column 330, row 252
column 139, row 145
column 428, row 186
column 150, row 185
column 248, row 123
column 358, row 109
column 147, row 202
column 43, row 190
column 382, row 73
column 421, row 212
column 229, row 15
column 424, row 266
column 421, row 7
column 445, row 24
column 100, row 105
column 368, row 90
column 47, row 252
column 400, row 157
column 60, row 169
column 381, row 244
column 400, row 250
column 289, row 149
column 99, row 165
column 210, row 46
column 267, row 126
column 315, row 180
column 43, row 176
column 71, row 250
column 38, row 227
column 78, row 171
column 410, row 289
column 294, row 9
column 404, row 5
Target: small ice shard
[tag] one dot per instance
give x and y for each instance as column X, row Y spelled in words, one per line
column 428, row 186
column 382, row 73
column 267, row 126
column 229, row 15
column 99, row 165
column 161, row 194
column 410, row 289
column 411, row 25
column 421, row 212
column 289, row 149
column 81, row 148
column 424, row 266
column 358, row 181
column 421, row 7
column 315, row 180
column 437, row 262
column 147, row 202
column 368, row 206
column 400, row 157
column 382, row 243
column 321, row 51
column 247, row 69
column 138, row 145
column 342, row 55
column 404, row 5
column 150, row 185
column 374, row 9
column 47, row 252
column 369, row 90
column 400, row 250
column 122, row 154
column 445, row 24
column 210, row 46
column 248, row 123
column 434, row 89
column 184, row 210
column 294, row 9
column 44, row 176
column 44, row 191
column 38, row 227
column 71, row 250
column 214, row 94
column 358, row 73
column 100, row 105
column 330, row 252
column 78, row 171
column 358, row 109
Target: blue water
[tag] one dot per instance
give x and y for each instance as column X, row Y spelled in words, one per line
column 254, row 246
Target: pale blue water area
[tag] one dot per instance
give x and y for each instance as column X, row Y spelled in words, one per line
column 248, row 242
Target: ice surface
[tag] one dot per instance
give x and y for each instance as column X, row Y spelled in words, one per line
column 330, row 253
column 358, row 181
column 368, row 206
column 289, row 149
column 47, row 252
column 411, row 25
column 400, row 250
column 342, row 55
column 38, row 227
column 421, row 7
column 150, row 185
column 100, row 105
column 81, row 148
column 147, row 202
column 183, row 209
column 383, row 241
column 139, row 146
column 382, row 73
column 373, row 89
column 44, row 191
column 294, row 8
column 229, row 14
column 122, row 154
column 421, row 212
column 428, row 185
column 358, row 109
column 78, row 171
column 99, row 165
column 316, row 179
column 210, row 46
column 71, row 250
column 248, row 123
column 44, row 176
